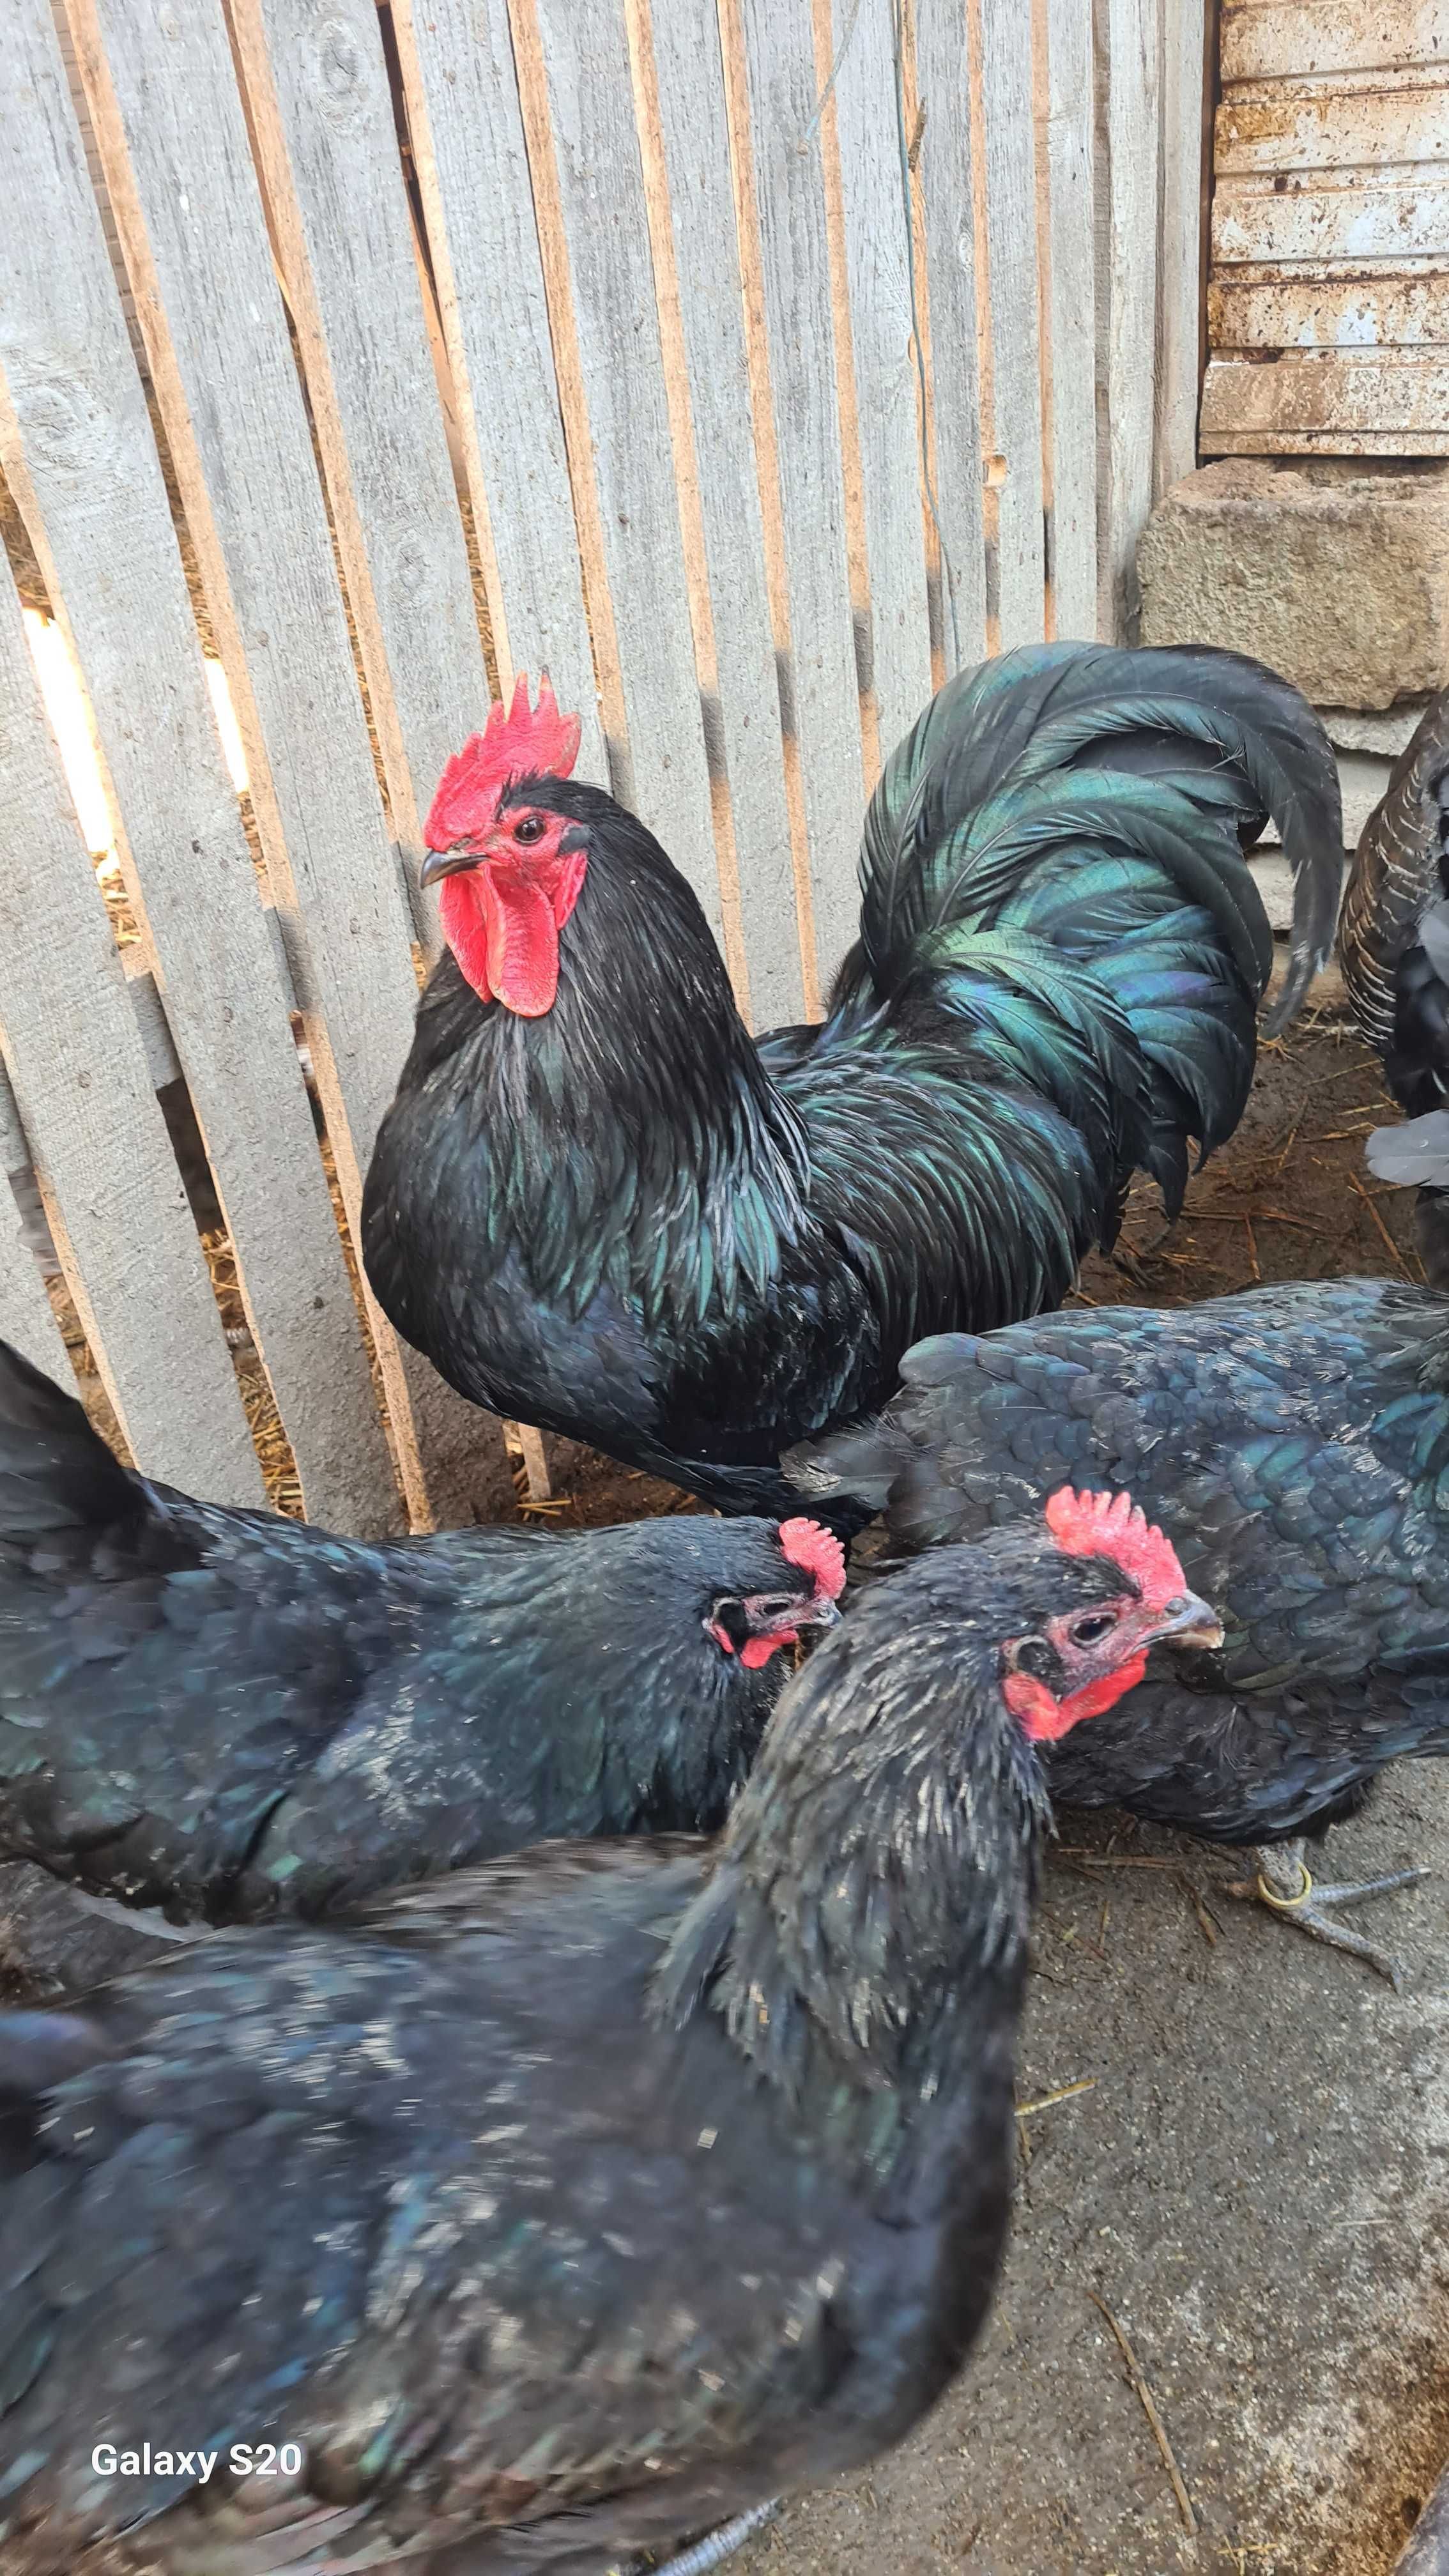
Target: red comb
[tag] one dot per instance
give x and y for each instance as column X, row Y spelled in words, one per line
column 1113, row 1525
column 525, row 743
column 819, row 1551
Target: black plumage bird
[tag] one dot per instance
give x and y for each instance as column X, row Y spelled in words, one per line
column 234, row 1715
column 1294, row 1444
column 550, row 2211
column 598, row 1204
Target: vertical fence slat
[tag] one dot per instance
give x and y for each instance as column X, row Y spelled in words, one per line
column 695, row 141
column 877, row 250
column 25, row 1315
column 1071, row 231
column 1132, row 74
column 1179, row 287
column 601, row 187
column 78, row 1067
column 321, row 106
column 178, row 165
column 102, row 527
column 1006, row 86
column 472, row 165
column 784, row 149
column 942, row 75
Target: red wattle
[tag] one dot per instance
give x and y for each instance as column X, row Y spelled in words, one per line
column 1045, row 1719
column 758, row 1650
column 522, row 941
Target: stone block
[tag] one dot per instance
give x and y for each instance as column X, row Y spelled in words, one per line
column 1334, row 570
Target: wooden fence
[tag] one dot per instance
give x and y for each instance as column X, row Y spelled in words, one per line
column 749, row 363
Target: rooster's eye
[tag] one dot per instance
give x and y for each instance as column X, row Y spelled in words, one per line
column 529, row 827
column 1091, row 1630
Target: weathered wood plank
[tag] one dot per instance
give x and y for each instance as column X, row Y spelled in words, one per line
column 1073, row 315
column 1383, row 396
column 1179, row 271
column 1373, row 311
column 1347, row 129
column 25, row 1314
column 472, row 165
column 601, row 183
column 321, row 110
column 942, row 79
column 1133, row 73
column 784, row 151
column 1011, row 234
column 877, row 243
column 1253, row 221
column 1276, row 37
column 173, row 141
column 98, row 517
column 75, row 1058
column 694, row 140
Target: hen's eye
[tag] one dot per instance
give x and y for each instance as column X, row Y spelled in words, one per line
column 529, row 827
column 1091, row 1630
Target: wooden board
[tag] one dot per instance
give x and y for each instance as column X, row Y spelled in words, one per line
column 321, row 110
column 1276, row 37
column 1133, row 152
column 80, row 454
column 75, row 1060
column 471, row 158
column 944, row 165
column 693, row 140
column 783, row 148
column 1404, row 216
column 1072, row 338
column 1374, row 394
column 25, row 1313
column 876, row 218
column 173, row 141
column 1179, row 277
column 586, row 58
column 1376, row 310
column 1342, row 128
column 1011, row 236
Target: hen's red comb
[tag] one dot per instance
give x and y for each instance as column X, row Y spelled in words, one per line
column 819, row 1551
column 1113, row 1525
column 526, row 742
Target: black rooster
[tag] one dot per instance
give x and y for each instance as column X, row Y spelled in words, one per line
column 599, row 1205
column 1294, row 1441
column 554, row 2210
column 234, row 1715
column 1393, row 944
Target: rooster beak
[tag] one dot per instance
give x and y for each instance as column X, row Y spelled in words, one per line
column 1190, row 1622
column 821, row 1613
column 446, row 863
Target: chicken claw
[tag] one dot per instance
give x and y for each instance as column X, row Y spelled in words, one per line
column 1285, row 1882
column 716, row 2545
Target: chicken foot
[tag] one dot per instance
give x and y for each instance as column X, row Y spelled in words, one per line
column 719, row 2544
column 1285, row 1883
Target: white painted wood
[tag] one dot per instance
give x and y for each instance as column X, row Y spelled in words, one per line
column 1261, row 128
column 78, row 1068
column 877, row 247
column 1276, row 37
column 173, row 141
column 1365, row 311
column 784, row 144
column 25, row 1313
column 942, row 77
column 1132, row 110
column 472, row 165
column 1404, row 212
column 602, row 189
column 694, row 136
column 102, row 528
column 1011, row 235
column 1071, row 221
column 1179, row 275
column 322, row 111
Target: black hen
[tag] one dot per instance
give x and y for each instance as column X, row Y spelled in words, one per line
column 558, row 2209
column 1294, row 1443
column 598, row 1204
column 234, row 1715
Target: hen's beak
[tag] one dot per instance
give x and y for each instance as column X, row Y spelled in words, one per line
column 822, row 1612
column 446, row 863
column 1187, row 1621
